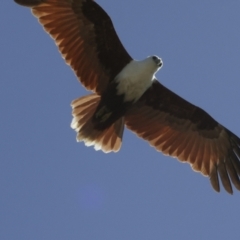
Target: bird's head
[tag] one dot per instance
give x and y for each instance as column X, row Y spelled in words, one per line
column 157, row 60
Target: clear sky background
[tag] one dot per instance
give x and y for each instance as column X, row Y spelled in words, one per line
column 53, row 188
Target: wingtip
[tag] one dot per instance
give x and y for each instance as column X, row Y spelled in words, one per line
column 214, row 179
column 28, row 3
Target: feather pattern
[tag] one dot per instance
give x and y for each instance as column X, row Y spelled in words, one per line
column 79, row 28
column 86, row 38
column 107, row 140
column 182, row 130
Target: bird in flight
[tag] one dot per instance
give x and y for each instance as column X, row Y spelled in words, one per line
column 127, row 93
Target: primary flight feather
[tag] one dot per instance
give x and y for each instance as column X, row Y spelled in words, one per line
column 126, row 92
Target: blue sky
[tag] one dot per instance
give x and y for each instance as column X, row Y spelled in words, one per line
column 55, row 188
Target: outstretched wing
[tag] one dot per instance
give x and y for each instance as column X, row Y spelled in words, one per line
column 182, row 130
column 86, row 38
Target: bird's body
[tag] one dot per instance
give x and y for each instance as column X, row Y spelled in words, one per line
column 126, row 88
column 137, row 77
column 127, row 93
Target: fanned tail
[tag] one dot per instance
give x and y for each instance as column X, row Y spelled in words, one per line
column 107, row 140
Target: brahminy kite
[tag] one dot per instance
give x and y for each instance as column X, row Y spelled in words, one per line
column 126, row 92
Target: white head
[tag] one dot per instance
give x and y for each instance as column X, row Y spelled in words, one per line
column 153, row 63
column 137, row 77
column 150, row 65
column 158, row 61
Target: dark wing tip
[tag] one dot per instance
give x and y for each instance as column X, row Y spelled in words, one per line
column 28, row 3
column 233, row 163
column 232, row 172
column 224, row 177
column 214, row 179
column 228, row 169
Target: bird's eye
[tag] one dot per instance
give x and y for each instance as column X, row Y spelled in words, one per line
column 154, row 58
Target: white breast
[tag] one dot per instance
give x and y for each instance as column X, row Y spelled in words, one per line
column 136, row 78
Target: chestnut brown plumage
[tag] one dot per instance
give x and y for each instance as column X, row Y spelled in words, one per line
column 89, row 50
column 182, row 130
column 88, row 42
